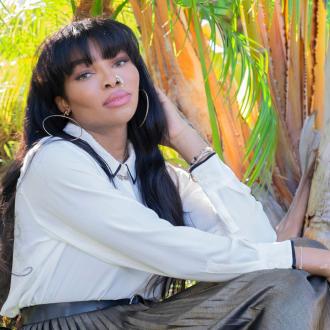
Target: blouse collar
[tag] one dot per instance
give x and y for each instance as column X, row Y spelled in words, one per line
column 114, row 164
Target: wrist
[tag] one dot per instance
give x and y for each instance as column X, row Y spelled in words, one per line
column 313, row 260
column 203, row 156
column 189, row 144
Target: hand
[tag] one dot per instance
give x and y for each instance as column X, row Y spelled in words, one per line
column 326, row 270
column 182, row 136
column 175, row 120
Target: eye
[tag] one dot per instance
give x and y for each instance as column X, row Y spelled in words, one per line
column 121, row 62
column 84, row 76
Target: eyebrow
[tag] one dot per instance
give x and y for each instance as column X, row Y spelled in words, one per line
column 77, row 62
column 88, row 62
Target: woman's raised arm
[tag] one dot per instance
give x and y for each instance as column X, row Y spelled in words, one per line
column 189, row 144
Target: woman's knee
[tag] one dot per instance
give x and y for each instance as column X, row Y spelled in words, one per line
column 292, row 283
column 293, row 299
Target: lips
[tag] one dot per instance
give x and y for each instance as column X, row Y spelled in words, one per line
column 116, row 99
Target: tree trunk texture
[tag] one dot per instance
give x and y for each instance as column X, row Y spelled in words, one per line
column 174, row 63
column 296, row 76
column 84, row 9
column 317, row 223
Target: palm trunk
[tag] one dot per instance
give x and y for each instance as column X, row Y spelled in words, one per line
column 181, row 77
column 84, row 9
column 317, row 224
column 296, row 78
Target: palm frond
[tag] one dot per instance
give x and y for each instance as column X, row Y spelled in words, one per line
column 97, row 8
column 243, row 64
column 20, row 34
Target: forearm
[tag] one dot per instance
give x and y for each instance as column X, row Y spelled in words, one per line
column 313, row 260
column 188, row 143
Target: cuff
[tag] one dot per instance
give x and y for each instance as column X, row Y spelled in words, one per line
column 214, row 177
column 200, row 162
column 294, row 264
column 277, row 254
column 213, row 167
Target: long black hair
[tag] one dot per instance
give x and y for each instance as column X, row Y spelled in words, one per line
column 53, row 66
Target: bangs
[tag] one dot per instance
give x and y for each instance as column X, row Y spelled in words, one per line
column 74, row 41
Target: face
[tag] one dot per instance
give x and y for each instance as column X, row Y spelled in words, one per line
column 94, row 98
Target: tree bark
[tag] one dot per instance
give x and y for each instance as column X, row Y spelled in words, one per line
column 317, row 224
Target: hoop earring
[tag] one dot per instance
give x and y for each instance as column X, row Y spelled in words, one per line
column 145, row 116
column 66, row 116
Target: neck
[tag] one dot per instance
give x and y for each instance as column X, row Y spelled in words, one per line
column 114, row 141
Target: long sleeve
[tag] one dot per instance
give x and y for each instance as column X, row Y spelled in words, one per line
column 75, row 203
column 236, row 211
column 198, row 210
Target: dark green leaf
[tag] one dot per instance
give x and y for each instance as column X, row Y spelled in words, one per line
column 97, row 8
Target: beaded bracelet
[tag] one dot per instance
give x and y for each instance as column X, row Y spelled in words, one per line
column 201, row 157
column 205, row 152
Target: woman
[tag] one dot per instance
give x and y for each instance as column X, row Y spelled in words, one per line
column 103, row 226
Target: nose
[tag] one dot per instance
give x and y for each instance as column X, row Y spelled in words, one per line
column 112, row 80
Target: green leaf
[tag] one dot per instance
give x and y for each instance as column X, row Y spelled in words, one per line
column 210, row 105
column 184, row 3
column 10, row 148
column 73, row 6
column 97, row 8
column 119, row 9
column 26, row 25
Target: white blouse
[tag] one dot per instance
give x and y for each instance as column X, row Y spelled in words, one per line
column 79, row 238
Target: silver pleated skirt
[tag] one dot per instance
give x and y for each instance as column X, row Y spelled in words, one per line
column 279, row 299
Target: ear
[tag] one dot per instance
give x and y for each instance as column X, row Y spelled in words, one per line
column 61, row 104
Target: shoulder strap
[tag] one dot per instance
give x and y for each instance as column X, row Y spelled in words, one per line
column 85, row 146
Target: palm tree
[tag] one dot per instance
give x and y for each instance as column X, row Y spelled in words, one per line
column 247, row 73
column 24, row 25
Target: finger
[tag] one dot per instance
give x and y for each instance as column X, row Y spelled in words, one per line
column 161, row 95
column 159, row 91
